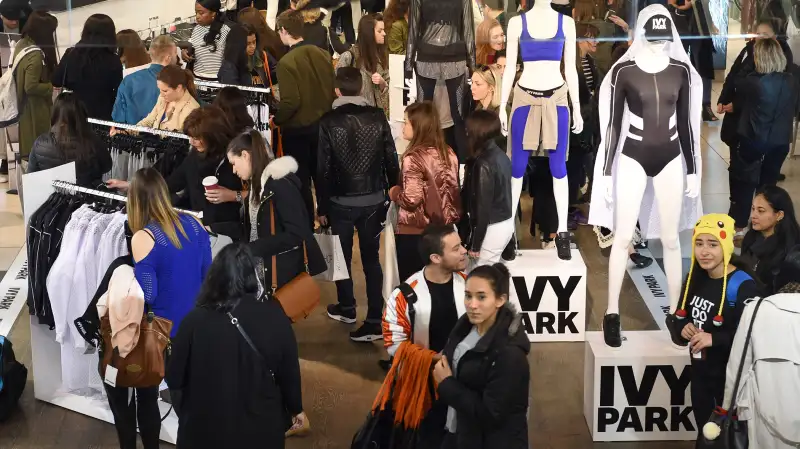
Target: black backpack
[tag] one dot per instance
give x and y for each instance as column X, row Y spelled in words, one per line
column 13, row 376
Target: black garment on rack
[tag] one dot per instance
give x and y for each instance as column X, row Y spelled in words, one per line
column 189, row 177
column 166, row 153
column 88, row 325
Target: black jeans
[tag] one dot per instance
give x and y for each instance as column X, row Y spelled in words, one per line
column 409, row 260
column 302, row 144
column 753, row 164
column 368, row 221
column 144, row 406
column 706, row 394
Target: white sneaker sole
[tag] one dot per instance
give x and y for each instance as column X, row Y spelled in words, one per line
column 367, row 338
column 342, row 319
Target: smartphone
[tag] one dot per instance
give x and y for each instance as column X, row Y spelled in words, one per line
column 609, row 13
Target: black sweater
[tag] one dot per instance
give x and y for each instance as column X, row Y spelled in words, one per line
column 94, row 83
column 189, row 177
column 226, row 399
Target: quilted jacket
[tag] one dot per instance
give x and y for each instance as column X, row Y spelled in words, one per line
column 357, row 155
column 430, row 191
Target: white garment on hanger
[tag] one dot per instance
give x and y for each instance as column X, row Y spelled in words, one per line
column 108, row 249
column 601, row 213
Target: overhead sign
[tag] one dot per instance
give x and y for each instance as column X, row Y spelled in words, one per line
column 639, row 392
column 551, row 294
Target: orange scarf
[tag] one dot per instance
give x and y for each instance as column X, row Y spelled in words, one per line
column 411, row 397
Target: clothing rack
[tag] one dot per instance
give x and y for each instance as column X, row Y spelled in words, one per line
column 140, row 129
column 64, row 186
column 216, row 85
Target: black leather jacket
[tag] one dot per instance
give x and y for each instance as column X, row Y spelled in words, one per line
column 487, row 192
column 46, row 154
column 357, row 155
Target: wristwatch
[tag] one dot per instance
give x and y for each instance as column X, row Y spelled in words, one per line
column 239, row 196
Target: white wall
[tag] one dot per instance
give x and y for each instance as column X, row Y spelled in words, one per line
column 133, row 14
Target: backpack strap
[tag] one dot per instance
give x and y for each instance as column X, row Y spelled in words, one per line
column 734, row 282
column 411, row 298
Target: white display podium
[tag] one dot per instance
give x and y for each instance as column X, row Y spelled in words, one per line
column 551, row 293
column 639, row 392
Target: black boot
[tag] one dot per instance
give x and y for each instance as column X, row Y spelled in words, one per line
column 641, row 261
column 510, row 253
column 612, row 332
column 675, row 326
column 563, row 246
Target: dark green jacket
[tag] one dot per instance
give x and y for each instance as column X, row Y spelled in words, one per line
column 35, row 96
column 306, row 86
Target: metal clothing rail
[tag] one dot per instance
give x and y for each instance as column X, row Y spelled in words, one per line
column 140, row 129
column 70, row 187
column 220, row 86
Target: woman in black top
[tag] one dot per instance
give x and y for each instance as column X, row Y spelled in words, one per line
column 233, row 103
column 483, row 375
column 714, row 294
column 231, row 392
column 71, row 139
column 92, row 69
column 773, row 231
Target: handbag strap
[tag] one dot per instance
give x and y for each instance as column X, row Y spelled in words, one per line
column 235, row 322
column 275, row 256
column 744, row 351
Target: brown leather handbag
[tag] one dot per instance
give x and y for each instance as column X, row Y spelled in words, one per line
column 300, row 296
column 145, row 365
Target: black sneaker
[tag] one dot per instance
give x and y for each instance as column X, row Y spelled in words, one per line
column 13, row 192
column 368, row 332
column 510, row 253
column 563, row 246
column 641, row 261
column 675, row 326
column 335, row 312
column 3, row 167
column 611, row 330
column 386, row 365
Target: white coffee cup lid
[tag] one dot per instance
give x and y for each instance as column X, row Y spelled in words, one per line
column 210, row 181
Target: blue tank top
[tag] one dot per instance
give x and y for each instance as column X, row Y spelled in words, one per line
column 532, row 49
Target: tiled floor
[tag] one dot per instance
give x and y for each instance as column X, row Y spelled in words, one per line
column 340, row 379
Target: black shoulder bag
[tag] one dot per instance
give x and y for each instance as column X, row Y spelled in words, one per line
column 733, row 433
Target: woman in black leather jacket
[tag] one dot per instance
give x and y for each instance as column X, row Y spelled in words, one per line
column 71, row 139
column 486, row 195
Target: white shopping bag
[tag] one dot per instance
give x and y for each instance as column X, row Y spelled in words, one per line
column 332, row 251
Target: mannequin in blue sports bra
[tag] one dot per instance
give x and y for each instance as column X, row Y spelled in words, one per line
column 539, row 122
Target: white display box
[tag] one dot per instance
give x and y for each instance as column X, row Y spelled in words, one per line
column 639, row 392
column 551, row 293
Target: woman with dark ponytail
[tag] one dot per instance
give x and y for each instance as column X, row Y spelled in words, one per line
column 483, row 375
column 209, row 38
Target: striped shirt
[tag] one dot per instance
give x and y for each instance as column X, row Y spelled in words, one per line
column 587, row 72
column 207, row 62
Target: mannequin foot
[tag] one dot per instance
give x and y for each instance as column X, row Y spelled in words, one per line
column 563, row 246
column 675, row 325
column 612, row 332
column 641, row 261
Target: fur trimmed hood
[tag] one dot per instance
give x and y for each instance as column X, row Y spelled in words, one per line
column 278, row 169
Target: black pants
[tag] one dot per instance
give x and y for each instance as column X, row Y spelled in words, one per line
column 302, row 144
column 753, row 164
column 545, row 213
column 707, row 393
column 144, row 407
column 368, row 221
column 344, row 17
column 409, row 260
column 455, row 88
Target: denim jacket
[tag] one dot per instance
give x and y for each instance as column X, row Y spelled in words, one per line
column 137, row 95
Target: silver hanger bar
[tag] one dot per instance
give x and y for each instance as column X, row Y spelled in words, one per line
column 72, row 188
column 140, row 129
column 220, row 86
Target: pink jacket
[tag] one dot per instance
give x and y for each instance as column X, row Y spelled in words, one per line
column 124, row 303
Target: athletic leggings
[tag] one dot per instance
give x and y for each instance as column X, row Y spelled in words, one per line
column 519, row 155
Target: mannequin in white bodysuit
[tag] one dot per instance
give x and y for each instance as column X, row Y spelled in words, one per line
column 542, row 23
column 627, row 192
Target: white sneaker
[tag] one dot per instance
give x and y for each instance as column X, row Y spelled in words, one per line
column 3, row 178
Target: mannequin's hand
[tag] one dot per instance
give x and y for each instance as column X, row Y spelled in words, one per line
column 608, row 188
column 577, row 122
column 503, row 120
column 412, row 90
column 692, row 186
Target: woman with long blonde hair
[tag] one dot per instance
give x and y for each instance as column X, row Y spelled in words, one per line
column 171, row 250
column 486, row 88
column 429, row 190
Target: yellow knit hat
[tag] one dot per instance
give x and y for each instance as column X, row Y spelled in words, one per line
column 723, row 228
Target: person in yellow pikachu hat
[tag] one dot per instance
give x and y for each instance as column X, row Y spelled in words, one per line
column 707, row 317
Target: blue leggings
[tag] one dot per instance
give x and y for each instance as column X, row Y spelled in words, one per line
column 519, row 155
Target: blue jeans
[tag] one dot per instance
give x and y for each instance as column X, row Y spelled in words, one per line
column 368, row 221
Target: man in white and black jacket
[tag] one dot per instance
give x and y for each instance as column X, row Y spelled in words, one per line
column 357, row 164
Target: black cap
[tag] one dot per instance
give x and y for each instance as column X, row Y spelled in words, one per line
column 15, row 9
column 658, row 28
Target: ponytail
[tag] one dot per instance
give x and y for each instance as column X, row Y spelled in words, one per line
column 174, row 76
column 260, row 156
column 498, row 277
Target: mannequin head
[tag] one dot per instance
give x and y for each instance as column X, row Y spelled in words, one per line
column 485, row 87
column 487, row 291
column 772, row 212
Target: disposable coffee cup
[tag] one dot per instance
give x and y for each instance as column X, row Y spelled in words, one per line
column 210, row 183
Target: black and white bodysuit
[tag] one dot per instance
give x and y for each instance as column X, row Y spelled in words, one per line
column 659, row 128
